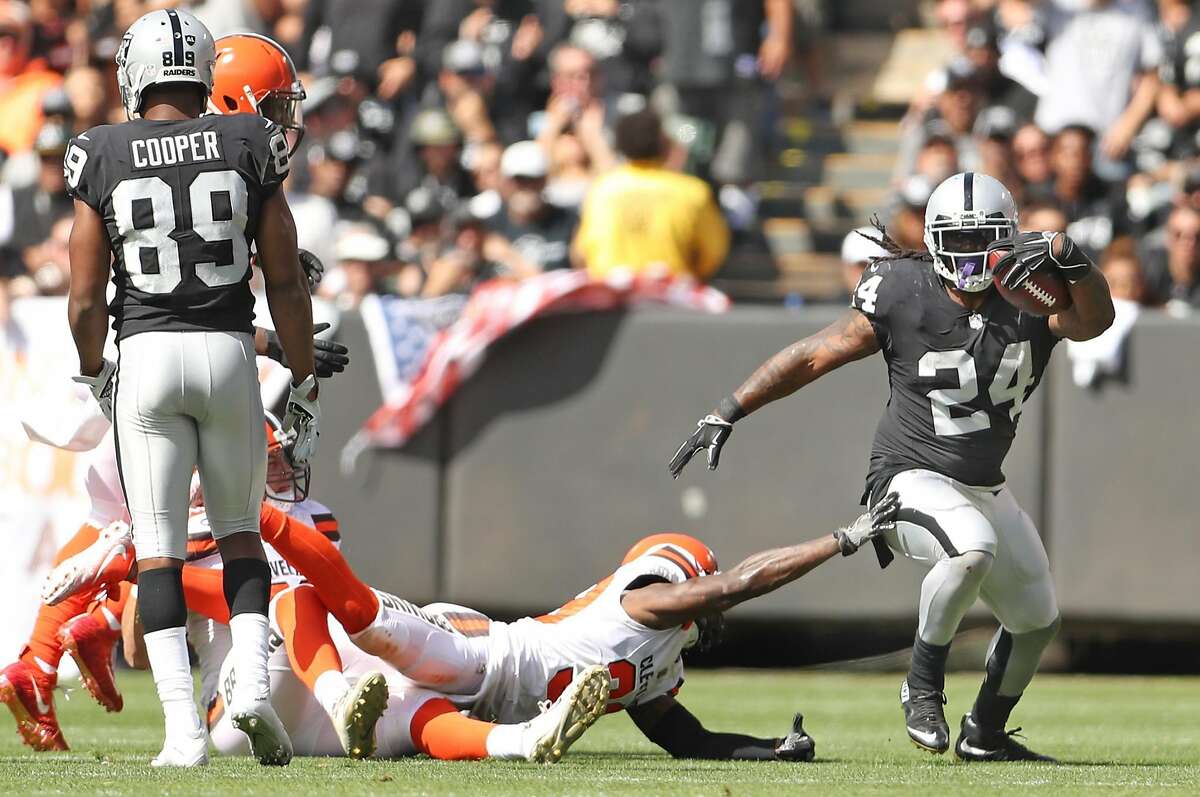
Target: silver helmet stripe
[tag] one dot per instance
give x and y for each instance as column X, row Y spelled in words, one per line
column 969, row 191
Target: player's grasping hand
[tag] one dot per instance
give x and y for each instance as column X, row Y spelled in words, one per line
column 329, row 357
column 878, row 520
column 711, row 433
column 1029, row 252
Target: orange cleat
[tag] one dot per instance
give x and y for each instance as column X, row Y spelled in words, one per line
column 106, row 561
column 29, row 695
column 91, row 644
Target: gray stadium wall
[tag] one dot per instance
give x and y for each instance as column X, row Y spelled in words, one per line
column 551, row 461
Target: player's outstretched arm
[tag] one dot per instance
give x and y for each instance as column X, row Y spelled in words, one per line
column 663, row 606
column 849, row 338
column 672, row 727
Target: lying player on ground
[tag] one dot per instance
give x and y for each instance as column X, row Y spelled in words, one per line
column 961, row 362
column 336, row 700
column 309, row 656
column 636, row 623
column 666, row 596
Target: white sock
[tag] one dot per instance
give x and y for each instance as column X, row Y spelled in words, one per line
column 249, row 633
column 507, row 741
column 329, row 688
column 168, row 654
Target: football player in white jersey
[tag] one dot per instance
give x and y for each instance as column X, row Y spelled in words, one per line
column 666, row 596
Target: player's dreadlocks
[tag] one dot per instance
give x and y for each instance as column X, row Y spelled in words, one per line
column 894, row 250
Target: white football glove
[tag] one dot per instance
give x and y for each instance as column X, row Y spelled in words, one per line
column 101, row 386
column 880, row 519
column 303, row 416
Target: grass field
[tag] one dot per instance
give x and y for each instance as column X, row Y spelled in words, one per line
column 1117, row 736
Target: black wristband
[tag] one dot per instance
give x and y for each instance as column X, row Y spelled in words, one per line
column 730, row 410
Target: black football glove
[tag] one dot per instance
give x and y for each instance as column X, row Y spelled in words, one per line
column 314, row 269
column 1032, row 251
column 879, row 519
column 711, row 433
column 329, row 357
column 797, row 745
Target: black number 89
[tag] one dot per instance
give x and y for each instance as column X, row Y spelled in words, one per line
column 168, row 58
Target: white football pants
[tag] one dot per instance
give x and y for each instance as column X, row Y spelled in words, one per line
column 940, row 517
column 426, row 647
column 185, row 400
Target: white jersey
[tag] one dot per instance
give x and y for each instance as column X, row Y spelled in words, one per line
column 534, row 659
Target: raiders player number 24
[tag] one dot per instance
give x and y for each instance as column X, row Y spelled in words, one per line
column 961, row 362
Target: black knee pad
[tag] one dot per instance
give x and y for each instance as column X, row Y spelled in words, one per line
column 247, row 586
column 160, row 599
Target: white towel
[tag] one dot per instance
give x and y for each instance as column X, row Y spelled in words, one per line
column 1101, row 356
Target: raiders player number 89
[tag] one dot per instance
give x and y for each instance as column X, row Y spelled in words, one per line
column 173, row 200
column 961, row 363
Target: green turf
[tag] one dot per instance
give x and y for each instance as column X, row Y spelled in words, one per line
column 1120, row 736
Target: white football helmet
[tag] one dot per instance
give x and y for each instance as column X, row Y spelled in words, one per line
column 165, row 46
column 965, row 213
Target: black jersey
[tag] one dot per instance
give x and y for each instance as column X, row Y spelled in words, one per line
column 958, row 377
column 181, row 201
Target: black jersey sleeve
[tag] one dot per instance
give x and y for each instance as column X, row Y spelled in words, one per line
column 84, row 168
column 266, row 151
column 877, row 294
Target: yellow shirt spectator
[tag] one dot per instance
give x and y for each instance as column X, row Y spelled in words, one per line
column 644, row 217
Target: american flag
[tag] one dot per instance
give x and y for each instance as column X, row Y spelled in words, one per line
column 425, row 349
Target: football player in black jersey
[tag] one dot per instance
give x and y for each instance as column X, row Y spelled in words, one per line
column 961, row 362
column 173, row 200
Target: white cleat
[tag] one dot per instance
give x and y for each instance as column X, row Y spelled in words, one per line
column 357, row 712
column 99, row 563
column 184, row 751
column 269, row 741
column 563, row 722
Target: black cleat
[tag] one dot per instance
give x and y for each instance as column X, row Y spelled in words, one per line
column 924, row 719
column 976, row 744
column 797, row 745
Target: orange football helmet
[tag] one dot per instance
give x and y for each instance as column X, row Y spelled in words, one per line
column 693, row 556
column 286, row 483
column 255, row 75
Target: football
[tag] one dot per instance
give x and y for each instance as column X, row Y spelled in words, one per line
column 1044, row 293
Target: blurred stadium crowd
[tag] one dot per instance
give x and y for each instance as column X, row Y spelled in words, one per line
column 448, row 141
column 1089, row 111
column 453, row 141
